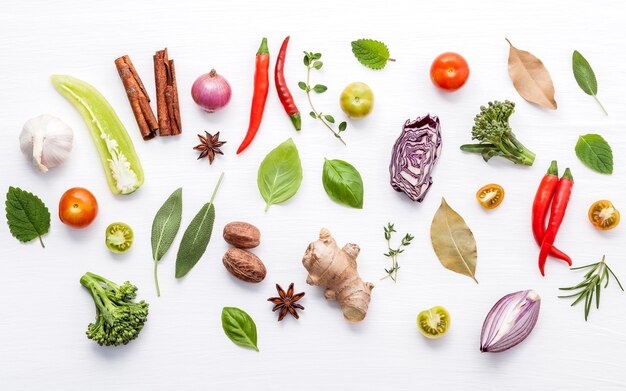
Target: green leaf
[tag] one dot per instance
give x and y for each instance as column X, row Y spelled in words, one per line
column 196, row 237
column 343, row 183
column 595, row 153
column 165, row 227
column 319, row 88
column 280, row 174
column 302, row 85
column 585, row 77
column 343, row 126
column 313, row 115
column 329, row 118
column 318, row 65
column 27, row 215
column 373, row 54
column 316, row 56
column 306, row 59
column 239, row 327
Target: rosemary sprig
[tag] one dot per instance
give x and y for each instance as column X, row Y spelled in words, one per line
column 591, row 284
column 392, row 253
column 312, row 61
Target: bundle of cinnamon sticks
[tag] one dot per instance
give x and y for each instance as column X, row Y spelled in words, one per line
column 168, row 109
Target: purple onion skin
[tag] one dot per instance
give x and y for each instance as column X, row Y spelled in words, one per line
column 211, row 91
column 510, row 321
column 414, row 156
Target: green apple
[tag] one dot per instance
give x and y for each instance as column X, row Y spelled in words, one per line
column 357, row 100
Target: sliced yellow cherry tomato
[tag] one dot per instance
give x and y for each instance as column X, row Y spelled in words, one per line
column 603, row 215
column 490, row 196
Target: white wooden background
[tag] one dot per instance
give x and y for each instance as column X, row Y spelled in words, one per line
column 44, row 311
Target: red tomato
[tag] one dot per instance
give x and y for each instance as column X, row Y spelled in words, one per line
column 78, row 207
column 449, row 71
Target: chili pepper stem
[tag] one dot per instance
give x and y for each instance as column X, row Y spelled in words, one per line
column 308, row 95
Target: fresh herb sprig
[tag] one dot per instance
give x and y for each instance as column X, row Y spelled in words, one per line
column 312, row 61
column 591, row 284
column 393, row 253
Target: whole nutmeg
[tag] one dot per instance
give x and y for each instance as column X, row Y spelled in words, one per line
column 242, row 235
column 244, row 265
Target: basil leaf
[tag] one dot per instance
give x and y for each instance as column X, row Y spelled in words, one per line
column 27, row 215
column 239, row 327
column 343, row 183
column 280, row 174
column 595, row 153
column 196, row 237
column 585, row 77
column 164, row 229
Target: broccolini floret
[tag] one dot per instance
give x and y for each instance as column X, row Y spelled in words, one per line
column 118, row 318
column 492, row 130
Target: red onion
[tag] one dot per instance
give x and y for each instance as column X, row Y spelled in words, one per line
column 414, row 155
column 211, row 91
column 510, row 321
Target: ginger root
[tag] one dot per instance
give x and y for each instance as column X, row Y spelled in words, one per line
column 334, row 268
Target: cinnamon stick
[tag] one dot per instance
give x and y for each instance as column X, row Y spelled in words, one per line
column 168, row 110
column 137, row 97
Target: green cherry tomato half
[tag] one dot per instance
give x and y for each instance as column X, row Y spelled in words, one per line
column 119, row 237
column 357, row 100
column 433, row 323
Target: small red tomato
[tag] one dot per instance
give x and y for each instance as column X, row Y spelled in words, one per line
column 78, row 207
column 449, row 71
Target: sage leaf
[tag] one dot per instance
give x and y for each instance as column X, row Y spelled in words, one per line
column 343, row 183
column 164, row 229
column 371, row 53
column 530, row 78
column 196, row 237
column 239, row 327
column 280, row 174
column 585, row 77
column 595, row 153
column 27, row 216
column 453, row 241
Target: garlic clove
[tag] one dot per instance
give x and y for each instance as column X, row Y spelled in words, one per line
column 47, row 141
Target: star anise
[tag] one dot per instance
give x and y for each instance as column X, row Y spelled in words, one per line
column 286, row 302
column 209, row 146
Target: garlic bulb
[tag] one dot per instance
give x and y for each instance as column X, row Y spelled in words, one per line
column 47, row 140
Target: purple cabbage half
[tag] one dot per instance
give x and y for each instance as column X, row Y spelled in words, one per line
column 510, row 321
column 414, row 156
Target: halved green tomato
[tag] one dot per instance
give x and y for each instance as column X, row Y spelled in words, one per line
column 119, row 237
column 433, row 323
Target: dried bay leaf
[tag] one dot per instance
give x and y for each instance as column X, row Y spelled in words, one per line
column 531, row 78
column 453, row 241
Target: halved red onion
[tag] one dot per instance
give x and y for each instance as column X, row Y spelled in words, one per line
column 414, row 156
column 510, row 321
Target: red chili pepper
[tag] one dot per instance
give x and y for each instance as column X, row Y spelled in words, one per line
column 261, row 87
column 281, row 87
column 544, row 195
column 559, row 205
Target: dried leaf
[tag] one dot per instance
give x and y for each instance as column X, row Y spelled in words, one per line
column 453, row 241
column 531, row 78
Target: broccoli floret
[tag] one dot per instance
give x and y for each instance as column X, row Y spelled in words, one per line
column 492, row 130
column 118, row 318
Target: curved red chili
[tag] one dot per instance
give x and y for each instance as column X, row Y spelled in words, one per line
column 281, row 87
column 261, row 87
column 559, row 206
column 544, row 195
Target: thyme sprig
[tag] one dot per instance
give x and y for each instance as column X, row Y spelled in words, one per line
column 597, row 274
column 312, row 61
column 393, row 253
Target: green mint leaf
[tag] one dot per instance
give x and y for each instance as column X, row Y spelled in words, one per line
column 595, row 153
column 343, row 126
column 318, row 64
column 302, row 85
column 27, row 215
column 319, row 88
column 239, row 327
column 373, row 54
column 329, row 118
column 585, row 77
